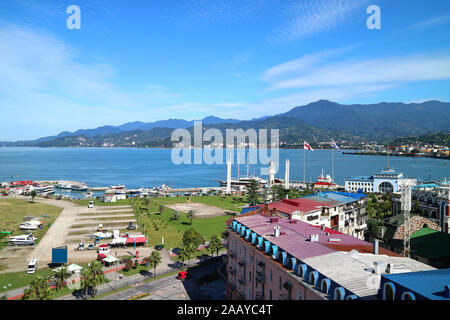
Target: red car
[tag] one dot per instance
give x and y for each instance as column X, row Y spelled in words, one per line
column 183, row 275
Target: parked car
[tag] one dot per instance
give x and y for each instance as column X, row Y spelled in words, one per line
column 159, row 247
column 183, row 275
column 81, row 247
column 131, row 226
column 32, row 266
column 91, row 204
column 91, row 246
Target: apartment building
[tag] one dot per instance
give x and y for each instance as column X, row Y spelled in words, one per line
column 273, row 258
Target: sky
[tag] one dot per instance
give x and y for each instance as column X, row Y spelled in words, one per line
column 154, row 60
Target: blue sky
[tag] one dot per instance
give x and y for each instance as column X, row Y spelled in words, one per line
column 154, row 60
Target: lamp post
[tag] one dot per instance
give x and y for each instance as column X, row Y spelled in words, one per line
column 6, row 289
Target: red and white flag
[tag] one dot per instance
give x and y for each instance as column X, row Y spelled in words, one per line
column 306, row 146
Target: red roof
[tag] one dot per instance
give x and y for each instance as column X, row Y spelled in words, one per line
column 103, row 246
column 101, row 255
column 303, row 205
column 138, row 240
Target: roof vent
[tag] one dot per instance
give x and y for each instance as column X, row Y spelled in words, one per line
column 334, row 240
column 314, row 237
column 276, row 232
column 378, row 267
column 396, row 268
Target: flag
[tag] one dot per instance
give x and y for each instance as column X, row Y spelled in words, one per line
column 306, row 146
column 335, row 145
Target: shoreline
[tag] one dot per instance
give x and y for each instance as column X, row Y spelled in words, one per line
column 380, row 154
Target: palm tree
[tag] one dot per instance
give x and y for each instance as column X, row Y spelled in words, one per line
column 184, row 254
column 61, row 276
column 190, row 215
column 33, row 195
column 217, row 244
column 86, row 280
column 156, row 259
column 97, row 274
column 38, row 290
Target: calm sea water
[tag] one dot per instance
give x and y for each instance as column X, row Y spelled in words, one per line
column 150, row 167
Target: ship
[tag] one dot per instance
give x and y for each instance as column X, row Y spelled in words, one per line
column 244, row 181
column 79, row 187
column 325, row 181
column 26, row 239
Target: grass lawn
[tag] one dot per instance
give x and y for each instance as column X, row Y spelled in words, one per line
column 13, row 212
column 155, row 226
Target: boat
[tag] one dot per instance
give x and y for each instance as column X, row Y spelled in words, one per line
column 119, row 186
column 65, row 186
column 79, row 187
column 25, row 239
column 324, row 181
column 28, row 226
column 89, row 194
column 244, row 181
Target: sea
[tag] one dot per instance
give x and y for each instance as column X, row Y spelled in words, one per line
column 136, row 168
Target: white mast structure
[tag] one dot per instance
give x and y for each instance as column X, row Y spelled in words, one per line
column 406, row 207
column 286, row 175
column 228, row 176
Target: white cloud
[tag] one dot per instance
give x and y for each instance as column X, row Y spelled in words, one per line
column 377, row 71
column 436, row 21
column 310, row 17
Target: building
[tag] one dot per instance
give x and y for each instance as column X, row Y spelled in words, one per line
column 113, row 197
column 425, row 285
column 432, row 201
column 273, row 258
column 344, row 212
column 385, row 181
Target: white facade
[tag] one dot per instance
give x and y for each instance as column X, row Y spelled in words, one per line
column 385, row 181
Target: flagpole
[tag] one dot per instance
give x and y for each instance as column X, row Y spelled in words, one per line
column 332, row 164
column 304, row 166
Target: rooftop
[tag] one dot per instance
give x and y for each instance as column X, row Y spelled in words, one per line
column 342, row 258
column 429, row 284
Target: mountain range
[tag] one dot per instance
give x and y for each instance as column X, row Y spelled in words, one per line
column 318, row 121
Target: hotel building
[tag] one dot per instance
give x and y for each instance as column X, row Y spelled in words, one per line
column 385, row 181
column 272, row 258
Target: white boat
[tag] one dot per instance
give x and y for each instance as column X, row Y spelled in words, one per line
column 25, row 239
column 28, row 226
column 64, row 186
column 119, row 186
column 79, row 187
column 89, row 194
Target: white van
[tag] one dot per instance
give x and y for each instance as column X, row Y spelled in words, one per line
column 32, row 266
column 91, row 204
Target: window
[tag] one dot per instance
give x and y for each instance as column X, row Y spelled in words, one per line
column 408, row 296
column 270, row 275
column 299, row 295
column 279, row 283
column 389, row 291
column 339, row 293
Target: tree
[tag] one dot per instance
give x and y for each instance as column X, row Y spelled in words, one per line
column 215, row 244
column 38, row 290
column 86, row 280
column 252, row 192
column 161, row 209
column 147, row 202
column 192, row 237
column 186, row 252
column 175, row 215
column 155, row 260
column 33, row 195
column 190, row 215
column 278, row 192
column 97, row 275
column 61, row 275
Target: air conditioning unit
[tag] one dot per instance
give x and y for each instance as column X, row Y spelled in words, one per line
column 314, row 237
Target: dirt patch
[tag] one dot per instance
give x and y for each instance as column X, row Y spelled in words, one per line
column 201, row 210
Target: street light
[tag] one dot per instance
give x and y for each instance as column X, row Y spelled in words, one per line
column 6, row 289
